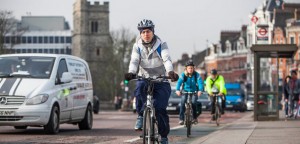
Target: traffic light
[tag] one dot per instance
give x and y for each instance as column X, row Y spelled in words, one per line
column 126, row 81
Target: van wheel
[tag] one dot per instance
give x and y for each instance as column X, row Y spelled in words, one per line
column 52, row 126
column 87, row 122
column 20, row 127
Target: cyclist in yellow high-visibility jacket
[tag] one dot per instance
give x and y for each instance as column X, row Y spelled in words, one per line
column 216, row 80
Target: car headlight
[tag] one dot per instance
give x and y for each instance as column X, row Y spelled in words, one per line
column 39, row 99
column 239, row 100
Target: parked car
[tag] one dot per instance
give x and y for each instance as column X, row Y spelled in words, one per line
column 205, row 101
column 174, row 103
column 45, row 90
column 250, row 102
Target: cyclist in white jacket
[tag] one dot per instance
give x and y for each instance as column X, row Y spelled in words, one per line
column 150, row 57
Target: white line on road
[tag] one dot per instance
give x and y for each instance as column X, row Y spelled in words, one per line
column 137, row 138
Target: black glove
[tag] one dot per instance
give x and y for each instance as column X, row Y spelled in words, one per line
column 129, row 76
column 173, row 76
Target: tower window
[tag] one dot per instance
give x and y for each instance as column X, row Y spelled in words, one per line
column 98, row 51
column 94, row 26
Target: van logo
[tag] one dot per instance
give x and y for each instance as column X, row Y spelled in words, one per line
column 3, row 100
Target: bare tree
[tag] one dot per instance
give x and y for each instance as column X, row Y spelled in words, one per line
column 123, row 40
column 10, row 28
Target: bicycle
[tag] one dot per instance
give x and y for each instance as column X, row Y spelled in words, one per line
column 150, row 125
column 188, row 115
column 296, row 109
column 217, row 114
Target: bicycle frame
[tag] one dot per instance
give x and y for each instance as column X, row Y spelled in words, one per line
column 150, row 127
column 217, row 114
column 188, row 112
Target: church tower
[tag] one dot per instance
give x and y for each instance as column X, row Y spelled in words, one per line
column 91, row 38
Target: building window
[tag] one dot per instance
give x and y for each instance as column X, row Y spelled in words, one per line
column 51, row 51
column 45, row 39
column 56, row 51
column 40, row 50
column 40, row 39
column 51, row 39
column 29, row 39
column 62, row 51
column 62, row 39
column 98, row 51
column 7, row 39
column 34, row 39
column 45, row 50
column 34, row 50
column 23, row 50
column 18, row 39
column 56, row 39
column 68, row 40
column 292, row 40
column 29, row 50
column 94, row 26
column 23, row 39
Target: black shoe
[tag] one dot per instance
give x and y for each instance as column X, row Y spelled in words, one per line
column 213, row 118
column 222, row 112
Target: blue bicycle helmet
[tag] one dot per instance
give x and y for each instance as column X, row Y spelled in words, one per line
column 146, row 24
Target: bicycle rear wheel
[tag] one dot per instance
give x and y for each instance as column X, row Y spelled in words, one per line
column 188, row 122
column 147, row 126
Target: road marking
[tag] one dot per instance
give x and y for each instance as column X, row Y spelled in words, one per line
column 137, row 138
column 132, row 140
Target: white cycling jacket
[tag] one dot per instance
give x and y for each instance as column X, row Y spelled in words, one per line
column 151, row 64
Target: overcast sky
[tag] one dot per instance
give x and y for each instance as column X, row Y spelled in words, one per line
column 186, row 25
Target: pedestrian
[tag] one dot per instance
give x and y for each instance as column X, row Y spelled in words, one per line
column 294, row 89
column 150, row 57
column 286, row 95
column 191, row 81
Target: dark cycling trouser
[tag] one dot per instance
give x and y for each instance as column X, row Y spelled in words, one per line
column 212, row 99
column 161, row 95
column 182, row 106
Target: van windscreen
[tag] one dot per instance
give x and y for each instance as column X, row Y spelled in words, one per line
column 26, row 66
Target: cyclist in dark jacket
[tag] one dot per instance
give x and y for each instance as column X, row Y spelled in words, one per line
column 150, row 57
column 192, row 82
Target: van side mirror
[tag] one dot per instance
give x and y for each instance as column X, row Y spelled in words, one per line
column 66, row 77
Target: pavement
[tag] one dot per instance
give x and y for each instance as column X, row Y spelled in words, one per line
column 247, row 131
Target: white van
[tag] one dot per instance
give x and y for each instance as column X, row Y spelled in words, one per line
column 45, row 90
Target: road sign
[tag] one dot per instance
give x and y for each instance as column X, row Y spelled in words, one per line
column 262, row 31
column 254, row 19
column 262, row 34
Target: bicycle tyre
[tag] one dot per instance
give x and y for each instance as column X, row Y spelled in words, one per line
column 188, row 122
column 146, row 126
column 217, row 115
column 154, row 132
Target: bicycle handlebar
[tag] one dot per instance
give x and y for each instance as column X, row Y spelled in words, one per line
column 154, row 78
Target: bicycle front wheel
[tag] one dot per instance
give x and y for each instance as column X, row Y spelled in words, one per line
column 188, row 122
column 147, row 127
column 217, row 115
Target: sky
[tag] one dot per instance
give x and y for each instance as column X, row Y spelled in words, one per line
column 187, row 26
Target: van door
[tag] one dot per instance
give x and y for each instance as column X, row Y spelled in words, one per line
column 80, row 99
column 64, row 92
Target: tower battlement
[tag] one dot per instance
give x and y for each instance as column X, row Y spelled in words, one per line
column 98, row 6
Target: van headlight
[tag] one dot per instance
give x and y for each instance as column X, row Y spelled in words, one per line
column 239, row 100
column 39, row 99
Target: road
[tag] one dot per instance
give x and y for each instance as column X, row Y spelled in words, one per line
column 112, row 127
